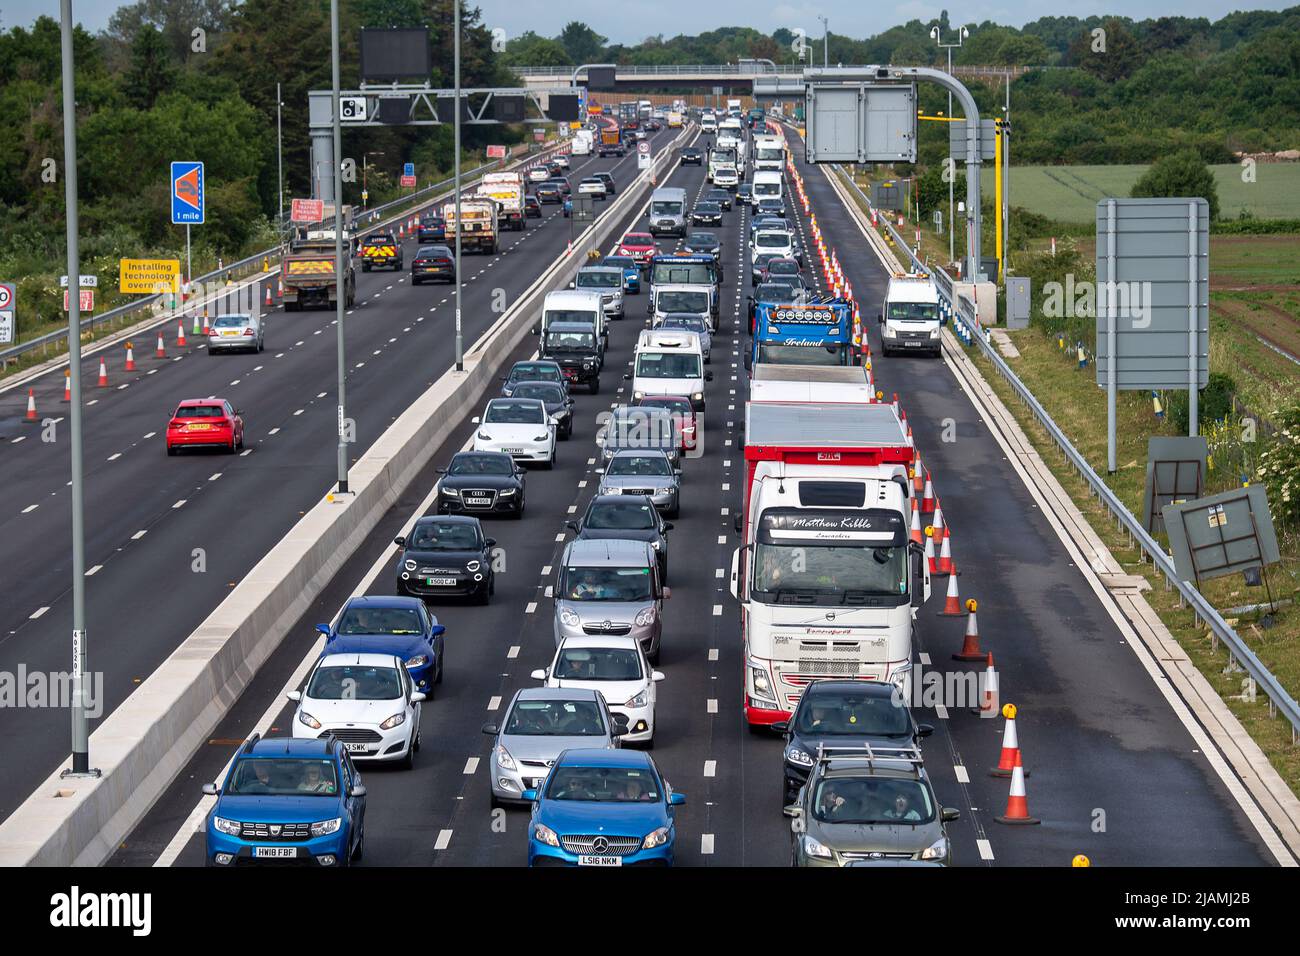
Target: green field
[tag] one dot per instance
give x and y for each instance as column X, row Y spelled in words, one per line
column 1070, row 193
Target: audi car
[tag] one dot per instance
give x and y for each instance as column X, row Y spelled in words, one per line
column 481, row 482
column 205, row 423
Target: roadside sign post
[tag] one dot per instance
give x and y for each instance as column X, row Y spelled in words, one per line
column 340, row 290
column 8, row 327
column 188, row 202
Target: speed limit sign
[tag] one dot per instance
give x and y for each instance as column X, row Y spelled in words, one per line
column 643, row 147
column 6, row 295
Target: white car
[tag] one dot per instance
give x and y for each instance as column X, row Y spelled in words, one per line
column 775, row 241
column 561, row 160
column 618, row 669
column 367, row 701
column 519, row 427
column 538, row 174
column 592, row 187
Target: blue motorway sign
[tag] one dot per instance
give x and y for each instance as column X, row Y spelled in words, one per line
column 187, row 194
column 408, row 169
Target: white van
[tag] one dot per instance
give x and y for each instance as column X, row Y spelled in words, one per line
column 574, row 305
column 679, row 298
column 767, row 184
column 669, row 362
column 582, row 142
column 708, row 124
column 667, row 211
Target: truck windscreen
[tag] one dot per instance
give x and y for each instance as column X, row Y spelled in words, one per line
column 828, row 557
column 682, row 273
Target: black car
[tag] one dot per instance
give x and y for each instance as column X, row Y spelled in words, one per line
column 770, row 206
column 708, row 213
column 844, row 713
column 557, row 401
column 745, row 193
column 702, row 242
column 692, row 156
column 780, row 290
column 759, row 264
column 562, row 182
column 608, row 180
column 446, row 556
column 432, row 229
column 720, row 196
column 532, row 208
column 627, row 517
column 481, row 482
column 433, row 262
column 575, row 347
column 531, row 370
column 782, row 269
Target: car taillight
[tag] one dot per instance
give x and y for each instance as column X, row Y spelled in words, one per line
column 248, row 331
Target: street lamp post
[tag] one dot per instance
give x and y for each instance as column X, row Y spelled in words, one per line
column 826, row 34
column 279, row 153
column 340, row 292
column 962, row 34
column 460, row 341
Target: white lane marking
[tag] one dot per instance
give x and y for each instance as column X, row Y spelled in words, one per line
column 93, row 401
column 39, row 612
column 444, row 840
column 18, row 439
column 713, row 653
column 560, row 536
column 214, row 476
column 710, row 768
column 963, row 776
column 95, row 570
column 150, row 434
column 722, row 539
column 925, row 658
column 139, row 534
column 706, row 844
column 471, row 765
column 546, row 570
column 300, row 411
column 549, row 592
column 245, row 453
column 115, row 456
column 273, row 431
column 494, row 703
column 572, row 508
column 941, row 711
column 30, row 508
column 180, row 503
column 985, row 848
column 531, row 608
column 713, row 705
column 513, row 652
column 718, row 572
column 583, row 483
column 717, row 610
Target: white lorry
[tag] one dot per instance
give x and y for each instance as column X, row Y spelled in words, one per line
column 583, row 142
column 909, row 316
column 839, row 384
column 769, row 153
column 507, row 191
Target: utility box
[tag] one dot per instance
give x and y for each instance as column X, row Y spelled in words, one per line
column 887, row 195
column 861, row 122
column 985, row 297
column 1018, row 300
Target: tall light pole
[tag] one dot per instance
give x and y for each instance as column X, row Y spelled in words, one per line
column 340, row 283
column 826, row 35
column 460, row 226
column 279, row 152
column 962, row 34
column 78, row 704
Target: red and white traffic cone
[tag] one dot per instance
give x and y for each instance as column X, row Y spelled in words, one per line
column 161, row 351
column 1010, row 758
column 31, row 406
column 929, row 550
column 952, row 602
column 180, row 335
column 970, row 647
column 268, row 296
column 279, row 288
column 103, row 374
column 927, row 496
column 130, row 358
column 916, row 523
column 67, row 385
column 936, row 519
column 1017, row 802
column 207, row 329
column 945, row 565
column 988, row 706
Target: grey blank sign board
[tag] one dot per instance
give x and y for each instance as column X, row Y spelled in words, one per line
column 1161, row 276
column 1175, row 473
column 861, row 123
column 957, row 140
column 1221, row 534
column 583, row 209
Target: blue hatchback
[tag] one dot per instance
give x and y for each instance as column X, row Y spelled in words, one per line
column 384, row 624
column 603, row 808
column 631, row 272
column 287, row 801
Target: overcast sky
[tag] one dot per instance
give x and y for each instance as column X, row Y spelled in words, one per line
column 630, row 23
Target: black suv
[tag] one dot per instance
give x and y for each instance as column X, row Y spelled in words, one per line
column 573, row 345
column 692, row 156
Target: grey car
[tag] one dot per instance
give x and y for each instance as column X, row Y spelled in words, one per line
column 648, row 473
column 691, row 322
column 236, row 331
column 869, row 803
column 540, row 724
column 610, row 586
column 639, row 429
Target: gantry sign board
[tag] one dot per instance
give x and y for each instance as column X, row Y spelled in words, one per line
column 1153, row 274
column 1221, row 534
column 860, row 122
column 957, row 140
column 426, row 106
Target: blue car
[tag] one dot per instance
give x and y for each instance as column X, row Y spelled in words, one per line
column 401, row 626
column 631, row 272
column 603, row 808
column 287, row 801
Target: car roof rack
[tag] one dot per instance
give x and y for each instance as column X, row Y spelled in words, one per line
column 869, row 754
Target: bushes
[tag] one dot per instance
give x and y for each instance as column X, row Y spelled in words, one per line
column 1279, row 467
column 1214, row 403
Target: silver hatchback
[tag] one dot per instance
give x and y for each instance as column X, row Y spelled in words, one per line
column 236, row 331
column 610, row 586
column 648, row 473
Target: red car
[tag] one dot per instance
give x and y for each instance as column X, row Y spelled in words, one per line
column 683, row 415
column 205, row 422
column 640, row 246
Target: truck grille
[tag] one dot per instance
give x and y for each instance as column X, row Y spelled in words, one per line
column 601, row 845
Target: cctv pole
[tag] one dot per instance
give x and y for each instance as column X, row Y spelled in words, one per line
column 455, row 45
column 279, row 153
column 340, row 283
column 952, row 179
column 78, row 704
column 826, row 35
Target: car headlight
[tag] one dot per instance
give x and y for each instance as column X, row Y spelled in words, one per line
column 761, row 684
column 544, row 834
column 473, row 566
column 504, row 760
column 229, row 827
column 697, row 396
column 655, row 838
column 541, row 437
column 889, row 332
column 451, row 491
column 507, row 492
column 484, row 436
column 640, row 700
column 408, row 564
column 419, row 660
column 326, row 827
column 937, row 850
column 308, row 720
column 901, row 674
column 813, row 848
column 798, row 757
column 569, row 619
column 664, row 491
column 394, row 721
column 645, row 617
column 637, row 396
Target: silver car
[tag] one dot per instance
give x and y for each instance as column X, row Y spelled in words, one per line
column 610, row 586
column 690, row 322
column 608, row 281
column 648, row 473
column 236, row 331
column 540, row 724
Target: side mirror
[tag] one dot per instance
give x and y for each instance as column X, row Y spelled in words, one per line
column 491, row 729
column 781, row 727
column 572, row 285
column 924, row 730
column 539, row 674
column 735, row 521
column 949, row 814
column 668, row 525
column 358, row 790
column 668, row 593
column 418, row 697
column 529, row 795
column 794, row 811
column 323, row 629
column 749, row 361
column 474, row 420
column 490, row 542
column 294, row 695
column 627, row 376
column 210, row 789
column 437, row 630
column 676, row 799
column 572, row 526
column 708, row 376
column 400, row 541
column 657, row 676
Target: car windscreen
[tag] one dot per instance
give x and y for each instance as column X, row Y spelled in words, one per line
column 515, row 413
column 599, row 280
column 639, row 465
column 484, row 464
column 916, row 311
column 630, row 515
column 200, row 411
column 597, row 663
column 569, row 342
column 620, row 262
column 443, row 536
column 354, row 682
column 380, row 620
column 536, row 372
column 545, row 391
column 853, row 714
column 603, row 785
column 606, row 584
column 772, row 240
column 282, row 777
column 232, row 321
column 779, row 268
column 689, row 323
column 708, row 208
column 682, row 301
column 667, row 365
column 767, row 189
column 555, row 718
column 872, row 800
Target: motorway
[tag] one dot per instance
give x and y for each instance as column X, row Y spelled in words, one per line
column 1114, row 773
column 147, row 514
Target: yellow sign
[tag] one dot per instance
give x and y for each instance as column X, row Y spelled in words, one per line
column 149, row 276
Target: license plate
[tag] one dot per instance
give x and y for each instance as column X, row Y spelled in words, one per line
column 570, row 373
column 356, row 748
column 911, row 344
column 478, row 502
column 513, row 451
column 199, row 428
column 600, row 861
column 232, row 333
column 276, row 852
column 440, row 582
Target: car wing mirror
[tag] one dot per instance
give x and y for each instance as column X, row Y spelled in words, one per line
column 708, row 376
column 793, row 810
column 400, row 541
column 210, row 789
column 529, row 795
column 490, row 542
column 490, row 729
column 418, row 697
column 668, row 593
column 539, row 674
column 437, row 630
column 657, row 676
column 294, row 695
column 358, row 790
column 474, row 420
column 949, row 814
column 323, row 629
column 924, row 730
column 676, row 799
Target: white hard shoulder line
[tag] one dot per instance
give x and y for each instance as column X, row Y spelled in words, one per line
column 1215, row 734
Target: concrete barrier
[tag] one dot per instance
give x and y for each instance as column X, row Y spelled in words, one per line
column 145, row 743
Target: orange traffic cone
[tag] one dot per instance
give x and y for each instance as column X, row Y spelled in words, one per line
column 67, row 385
column 268, row 295
column 937, row 518
column 161, row 351
column 945, row 565
column 952, row 601
column 103, row 374
column 1010, row 758
column 970, row 648
column 918, row 473
column 280, row 288
column 927, row 496
column 31, row 406
column 180, row 335
column 130, row 358
column 1017, row 804
column 989, row 693
column 929, row 549
column 207, row 329
column 916, row 523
